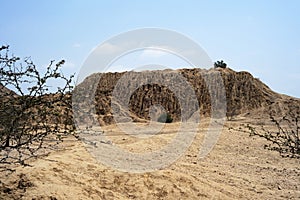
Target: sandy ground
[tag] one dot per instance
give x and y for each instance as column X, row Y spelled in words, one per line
column 237, row 168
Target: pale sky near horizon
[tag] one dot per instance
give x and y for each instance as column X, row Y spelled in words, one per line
column 262, row 37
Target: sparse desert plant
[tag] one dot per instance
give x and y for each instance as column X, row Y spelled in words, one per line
column 31, row 112
column 165, row 118
column 231, row 113
column 232, row 109
column 286, row 137
column 220, row 64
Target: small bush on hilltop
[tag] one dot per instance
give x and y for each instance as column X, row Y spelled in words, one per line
column 220, row 64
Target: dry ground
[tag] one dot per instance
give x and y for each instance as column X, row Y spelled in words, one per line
column 237, row 168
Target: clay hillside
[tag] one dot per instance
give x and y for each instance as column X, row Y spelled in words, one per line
column 245, row 95
column 5, row 92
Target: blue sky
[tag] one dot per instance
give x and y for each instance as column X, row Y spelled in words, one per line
column 262, row 37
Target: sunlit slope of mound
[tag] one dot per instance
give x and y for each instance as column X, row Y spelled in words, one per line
column 244, row 93
column 5, row 92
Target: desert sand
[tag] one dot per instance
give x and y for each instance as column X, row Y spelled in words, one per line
column 238, row 167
